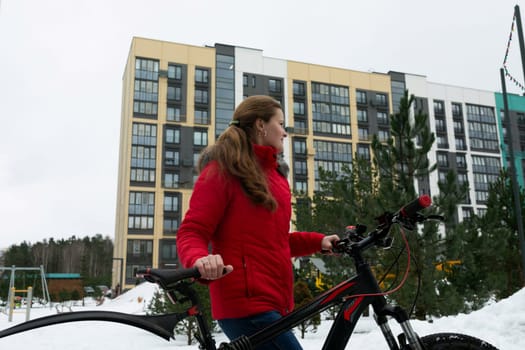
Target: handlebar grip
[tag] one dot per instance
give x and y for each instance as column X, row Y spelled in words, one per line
column 416, row 205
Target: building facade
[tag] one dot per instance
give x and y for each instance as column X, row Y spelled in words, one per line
column 177, row 99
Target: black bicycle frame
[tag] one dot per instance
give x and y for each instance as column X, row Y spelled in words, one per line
column 354, row 295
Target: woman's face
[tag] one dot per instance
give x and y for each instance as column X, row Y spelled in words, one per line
column 273, row 132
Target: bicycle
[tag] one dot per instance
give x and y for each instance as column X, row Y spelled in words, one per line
column 354, row 295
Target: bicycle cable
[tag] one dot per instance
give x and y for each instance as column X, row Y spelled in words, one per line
column 405, row 276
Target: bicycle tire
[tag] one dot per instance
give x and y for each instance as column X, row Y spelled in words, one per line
column 454, row 341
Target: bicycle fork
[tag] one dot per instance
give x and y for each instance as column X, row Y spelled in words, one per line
column 406, row 340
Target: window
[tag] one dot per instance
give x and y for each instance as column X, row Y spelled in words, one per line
column 382, row 118
column 361, row 97
column 274, row 85
column 381, row 99
column 298, row 88
column 461, row 161
column 141, row 210
column 201, row 116
column 442, row 159
column 363, row 151
column 146, row 88
column 298, row 108
column 173, row 114
column 171, row 158
column 174, row 72
column 201, row 76
column 171, row 203
column 200, row 138
column 362, row 115
column 440, row 125
column 167, row 253
column 383, row 135
column 439, row 107
column 301, row 186
column 201, row 96
column 456, row 109
column 171, row 212
column 330, row 109
column 332, row 157
column 143, row 153
column 171, row 179
column 172, row 136
column 300, row 167
column 363, row 134
column 299, row 146
column 174, row 93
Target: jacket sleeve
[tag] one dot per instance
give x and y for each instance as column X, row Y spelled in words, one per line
column 305, row 243
column 206, row 208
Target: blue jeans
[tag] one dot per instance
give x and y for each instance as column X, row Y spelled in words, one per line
column 235, row 327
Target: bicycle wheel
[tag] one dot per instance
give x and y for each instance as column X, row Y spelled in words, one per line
column 454, row 341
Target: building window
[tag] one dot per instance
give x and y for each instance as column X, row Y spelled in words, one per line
column 173, row 114
column 174, row 93
column 300, row 167
column 201, row 96
column 245, row 80
column 145, row 97
column 461, row 161
column 167, row 253
column 440, row 125
column 363, row 134
column 298, row 89
column 143, row 153
column 332, row 157
column 200, row 138
column 174, row 72
column 456, row 110
column 381, row 99
column 171, row 179
column 141, row 210
column 360, row 97
column 442, row 160
column 138, row 257
column 298, row 108
column 363, row 151
column 330, row 109
column 362, row 115
column 439, row 107
column 383, row 135
column 382, row 118
column 299, row 146
column 274, row 85
column 201, row 116
column 171, row 157
column 201, row 76
column 172, row 136
column 301, row 186
column 171, row 212
column 482, row 128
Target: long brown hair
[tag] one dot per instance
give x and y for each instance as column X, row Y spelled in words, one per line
column 233, row 149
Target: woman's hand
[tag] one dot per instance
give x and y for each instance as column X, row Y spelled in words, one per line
column 212, row 267
column 327, row 244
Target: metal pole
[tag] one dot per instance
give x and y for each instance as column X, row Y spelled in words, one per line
column 512, row 169
column 520, row 36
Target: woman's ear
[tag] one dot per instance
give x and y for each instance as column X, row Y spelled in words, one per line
column 259, row 124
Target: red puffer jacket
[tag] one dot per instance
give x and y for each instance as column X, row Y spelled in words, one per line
column 251, row 238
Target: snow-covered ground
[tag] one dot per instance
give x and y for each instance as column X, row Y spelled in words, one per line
column 501, row 324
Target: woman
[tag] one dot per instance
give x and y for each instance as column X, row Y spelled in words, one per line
column 241, row 204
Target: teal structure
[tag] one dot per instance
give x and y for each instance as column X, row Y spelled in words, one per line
column 516, row 104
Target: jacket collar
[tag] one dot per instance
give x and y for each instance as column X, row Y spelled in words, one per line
column 266, row 155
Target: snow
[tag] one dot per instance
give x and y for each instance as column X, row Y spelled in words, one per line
column 502, row 324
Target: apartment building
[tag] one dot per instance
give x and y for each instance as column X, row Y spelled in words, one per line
column 177, row 99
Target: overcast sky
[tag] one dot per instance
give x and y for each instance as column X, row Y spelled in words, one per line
column 61, row 66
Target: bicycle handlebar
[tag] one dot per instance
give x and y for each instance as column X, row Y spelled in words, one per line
column 410, row 209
